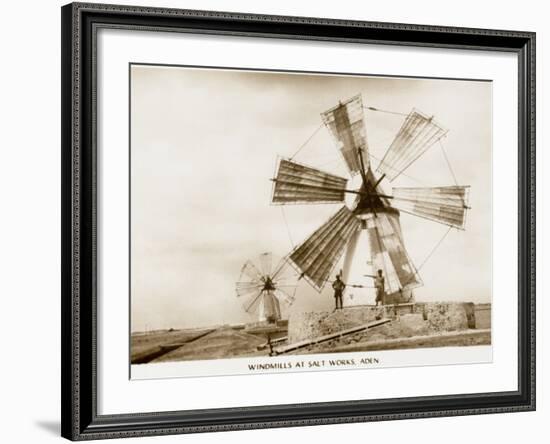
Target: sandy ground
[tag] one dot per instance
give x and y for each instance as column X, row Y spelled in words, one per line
column 226, row 342
column 408, row 330
column 222, row 343
column 143, row 344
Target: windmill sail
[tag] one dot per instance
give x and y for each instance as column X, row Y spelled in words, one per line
column 417, row 134
column 252, row 302
column 446, row 205
column 285, row 280
column 388, row 252
column 319, row 253
column 284, row 296
column 250, row 281
column 346, row 125
column 297, row 183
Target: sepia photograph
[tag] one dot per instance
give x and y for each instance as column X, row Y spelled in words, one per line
column 299, row 221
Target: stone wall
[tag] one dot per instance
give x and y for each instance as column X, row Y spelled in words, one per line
column 449, row 316
column 308, row 325
column 483, row 315
column 419, row 318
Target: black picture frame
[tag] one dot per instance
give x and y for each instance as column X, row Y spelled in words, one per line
column 80, row 419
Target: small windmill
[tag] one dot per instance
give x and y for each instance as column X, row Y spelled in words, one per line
column 371, row 218
column 264, row 285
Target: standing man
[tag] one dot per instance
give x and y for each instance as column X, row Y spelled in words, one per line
column 379, row 284
column 338, row 286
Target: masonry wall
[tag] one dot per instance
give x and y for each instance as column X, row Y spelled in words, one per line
column 425, row 318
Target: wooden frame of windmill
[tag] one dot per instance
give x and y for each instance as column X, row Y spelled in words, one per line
column 374, row 214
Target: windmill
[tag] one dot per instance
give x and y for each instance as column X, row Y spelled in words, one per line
column 374, row 216
column 264, row 285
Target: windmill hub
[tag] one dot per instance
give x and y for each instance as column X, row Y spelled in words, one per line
column 268, row 284
column 368, row 201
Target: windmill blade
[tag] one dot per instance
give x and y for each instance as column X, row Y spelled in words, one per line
column 250, row 280
column 284, row 273
column 249, row 285
column 346, row 124
column 284, row 297
column 417, row 134
column 285, row 277
column 266, row 263
column 318, row 254
column 252, row 303
column 296, row 183
column 446, row 205
column 388, row 252
column 249, row 272
column 245, row 289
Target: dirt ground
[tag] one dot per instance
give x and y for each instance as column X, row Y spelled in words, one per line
column 143, row 344
column 185, row 345
column 222, row 342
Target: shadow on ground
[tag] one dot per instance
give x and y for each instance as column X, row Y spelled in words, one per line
column 53, row 427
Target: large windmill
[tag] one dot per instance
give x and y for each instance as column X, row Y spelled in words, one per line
column 264, row 285
column 373, row 218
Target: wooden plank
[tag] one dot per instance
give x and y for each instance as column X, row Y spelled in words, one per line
column 273, row 342
column 324, row 338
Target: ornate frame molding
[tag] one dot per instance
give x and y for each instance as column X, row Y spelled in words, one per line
column 80, row 22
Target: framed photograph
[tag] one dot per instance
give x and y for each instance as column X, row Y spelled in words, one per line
column 278, row 221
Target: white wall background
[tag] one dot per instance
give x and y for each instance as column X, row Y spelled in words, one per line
column 30, row 222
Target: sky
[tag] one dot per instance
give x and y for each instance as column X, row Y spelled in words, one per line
column 204, row 144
